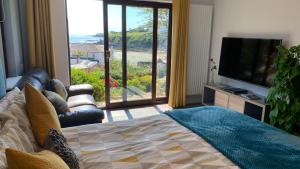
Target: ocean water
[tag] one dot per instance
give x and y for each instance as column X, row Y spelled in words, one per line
column 85, row 39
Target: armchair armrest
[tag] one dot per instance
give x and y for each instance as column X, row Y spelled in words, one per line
column 80, row 89
column 82, row 117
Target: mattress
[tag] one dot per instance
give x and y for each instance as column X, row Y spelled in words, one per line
column 153, row 142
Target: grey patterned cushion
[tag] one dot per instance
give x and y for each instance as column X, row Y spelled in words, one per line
column 57, row 101
column 56, row 142
column 58, row 87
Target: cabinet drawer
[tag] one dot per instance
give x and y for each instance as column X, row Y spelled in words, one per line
column 236, row 104
column 221, row 99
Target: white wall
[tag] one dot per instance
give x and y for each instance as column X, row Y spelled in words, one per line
column 256, row 19
column 60, row 40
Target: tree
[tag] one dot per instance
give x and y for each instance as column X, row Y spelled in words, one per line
column 78, row 54
column 163, row 17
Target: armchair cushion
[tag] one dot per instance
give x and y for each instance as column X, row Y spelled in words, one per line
column 80, row 89
column 79, row 100
column 82, row 117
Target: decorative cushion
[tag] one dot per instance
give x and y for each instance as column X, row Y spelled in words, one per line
column 44, row 159
column 8, row 99
column 57, row 143
column 15, row 128
column 58, row 87
column 41, row 113
column 57, row 101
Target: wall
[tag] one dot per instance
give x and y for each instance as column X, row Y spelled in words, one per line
column 254, row 19
column 60, row 41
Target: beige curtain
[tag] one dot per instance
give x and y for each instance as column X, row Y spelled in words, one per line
column 40, row 35
column 177, row 94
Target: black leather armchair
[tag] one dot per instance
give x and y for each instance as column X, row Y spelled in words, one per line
column 80, row 100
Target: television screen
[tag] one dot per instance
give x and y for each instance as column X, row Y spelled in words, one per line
column 249, row 60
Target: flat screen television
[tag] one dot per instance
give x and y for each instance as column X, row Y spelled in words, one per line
column 249, row 60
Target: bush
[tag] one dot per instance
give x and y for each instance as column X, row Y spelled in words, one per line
column 140, row 77
column 284, row 95
column 79, row 76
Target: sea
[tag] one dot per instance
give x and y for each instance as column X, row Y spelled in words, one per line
column 85, row 39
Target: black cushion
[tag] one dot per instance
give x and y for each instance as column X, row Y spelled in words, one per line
column 41, row 75
column 57, row 143
column 57, row 101
column 31, row 80
column 82, row 108
column 80, row 89
column 82, row 117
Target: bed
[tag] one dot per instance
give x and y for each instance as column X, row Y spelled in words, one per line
column 204, row 137
column 153, row 142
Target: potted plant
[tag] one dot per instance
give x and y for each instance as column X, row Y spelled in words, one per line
column 284, row 95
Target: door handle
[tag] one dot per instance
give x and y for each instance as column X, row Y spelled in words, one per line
column 107, row 55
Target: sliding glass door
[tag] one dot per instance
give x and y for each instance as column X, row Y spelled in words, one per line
column 137, row 52
column 123, row 49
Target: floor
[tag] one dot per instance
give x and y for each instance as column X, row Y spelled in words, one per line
column 134, row 113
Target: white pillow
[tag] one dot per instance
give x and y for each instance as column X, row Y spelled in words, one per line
column 15, row 128
column 8, row 99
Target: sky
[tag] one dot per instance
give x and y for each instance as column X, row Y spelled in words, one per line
column 85, row 17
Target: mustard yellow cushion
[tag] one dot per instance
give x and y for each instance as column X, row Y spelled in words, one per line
column 42, row 160
column 41, row 113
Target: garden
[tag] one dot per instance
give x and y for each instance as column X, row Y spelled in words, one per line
column 137, row 76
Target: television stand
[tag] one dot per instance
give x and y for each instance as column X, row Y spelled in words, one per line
column 235, row 90
column 217, row 95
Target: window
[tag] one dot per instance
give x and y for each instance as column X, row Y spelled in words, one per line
column 122, row 48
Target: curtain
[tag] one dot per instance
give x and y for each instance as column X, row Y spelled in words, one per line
column 40, row 35
column 2, row 78
column 177, row 94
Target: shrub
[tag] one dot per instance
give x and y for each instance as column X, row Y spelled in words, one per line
column 284, row 95
column 79, row 76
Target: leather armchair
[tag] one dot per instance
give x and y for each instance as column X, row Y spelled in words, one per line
column 80, row 99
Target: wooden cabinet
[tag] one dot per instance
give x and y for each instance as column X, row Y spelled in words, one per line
column 214, row 95
column 221, row 99
column 236, row 103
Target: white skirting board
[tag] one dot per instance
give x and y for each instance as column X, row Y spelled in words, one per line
column 200, row 28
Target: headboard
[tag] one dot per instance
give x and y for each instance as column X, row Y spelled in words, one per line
column 2, row 79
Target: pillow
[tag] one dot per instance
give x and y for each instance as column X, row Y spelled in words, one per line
column 56, row 142
column 42, row 160
column 41, row 113
column 58, row 87
column 8, row 99
column 57, row 101
column 15, row 128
